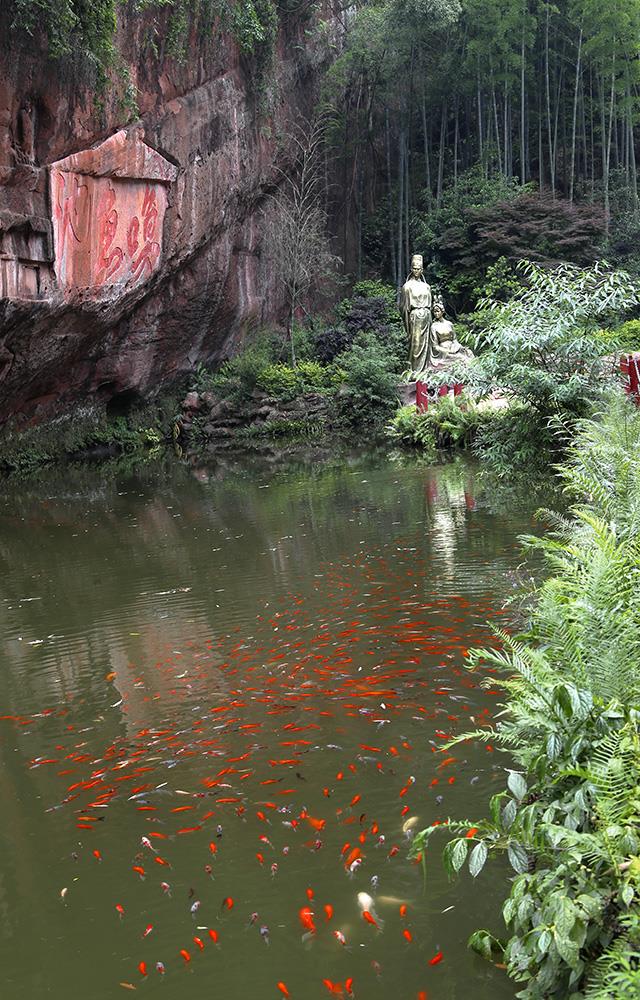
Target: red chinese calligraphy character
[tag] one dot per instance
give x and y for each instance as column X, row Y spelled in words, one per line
column 148, row 256
column 109, row 260
column 73, row 210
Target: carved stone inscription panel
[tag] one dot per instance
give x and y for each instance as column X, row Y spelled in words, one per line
column 106, row 231
column 108, row 206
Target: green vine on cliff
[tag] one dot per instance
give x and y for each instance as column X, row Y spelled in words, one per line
column 87, row 28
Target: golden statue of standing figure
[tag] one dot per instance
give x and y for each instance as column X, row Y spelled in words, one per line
column 415, row 309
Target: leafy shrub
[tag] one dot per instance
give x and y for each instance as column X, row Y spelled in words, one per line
column 371, row 310
column 411, row 427
column 369, row 394
column 330, row 342
column 567, row 821
column 541, row 344
column 285, row 382
column 501, row 282
column 485, row 219
column 237, row 378
column 516, row 439
column 373, row 288
column 624, row 338
column 447, row 423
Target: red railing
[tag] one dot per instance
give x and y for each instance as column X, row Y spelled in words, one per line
column 630, row 368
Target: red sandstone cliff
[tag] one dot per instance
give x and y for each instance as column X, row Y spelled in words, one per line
column 124, row 266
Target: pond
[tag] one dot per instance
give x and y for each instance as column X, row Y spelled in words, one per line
column 224, row 694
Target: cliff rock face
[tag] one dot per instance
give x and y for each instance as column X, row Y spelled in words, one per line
column 131, row 251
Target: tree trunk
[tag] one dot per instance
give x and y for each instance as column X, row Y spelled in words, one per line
column 612, row 105
column 392, row 245
column 407, row 201
column 443, row 128
column 552, row 166
column 575, row 119
column 632, row 151
column 480, row 136
column 523, row 144
column 401, row 270
column 456, row 136
column 495, row 120
column 427, row 158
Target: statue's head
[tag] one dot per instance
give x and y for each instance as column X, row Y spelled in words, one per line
column 416, row 265
column 438, row 308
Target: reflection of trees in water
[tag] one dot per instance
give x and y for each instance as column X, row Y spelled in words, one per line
column 238, row 533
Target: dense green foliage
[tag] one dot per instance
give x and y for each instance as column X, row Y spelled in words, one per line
column 448, row 423
column 91, row 435
column 542, row 346
column 86, row 29
column 567, row 821
column 356, row 360
column 485, row 104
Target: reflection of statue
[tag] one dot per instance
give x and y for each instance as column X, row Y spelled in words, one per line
column 415, row 308
column 444, row 349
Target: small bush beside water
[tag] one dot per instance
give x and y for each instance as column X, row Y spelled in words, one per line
column 568, row 820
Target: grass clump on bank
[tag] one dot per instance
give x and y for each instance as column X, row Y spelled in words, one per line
column 86, row 436
column 568, row 819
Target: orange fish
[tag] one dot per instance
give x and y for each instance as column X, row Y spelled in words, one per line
column 120, row 909
column 97, row 855
column 213, row 935
column 199, row 942
column 436, row 958
column 227, row 903
column 328, row 909
column 335, row 989
column 351, row 856
column 161, row 861
column 407, row 935
column 317, row 824
column 185, row 954
column 369, row 919
column 310, row 894
column 355, row 799
column 142, row 968
column 305, row 915
column 283, row 989
column 403, row 909
column 140, row 871
column 348, row 985
column 147, row 931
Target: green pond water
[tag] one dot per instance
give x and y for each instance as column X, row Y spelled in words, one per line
column 266, row 659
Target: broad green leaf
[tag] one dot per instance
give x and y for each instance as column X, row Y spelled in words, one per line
column 459, row 854
column 627, row 895
column 517, row 785
column 477, row 859
column 518, row 857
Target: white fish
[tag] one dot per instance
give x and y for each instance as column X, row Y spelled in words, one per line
column 409, row 824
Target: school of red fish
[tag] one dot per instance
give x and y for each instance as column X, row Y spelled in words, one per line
column 244, row 721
